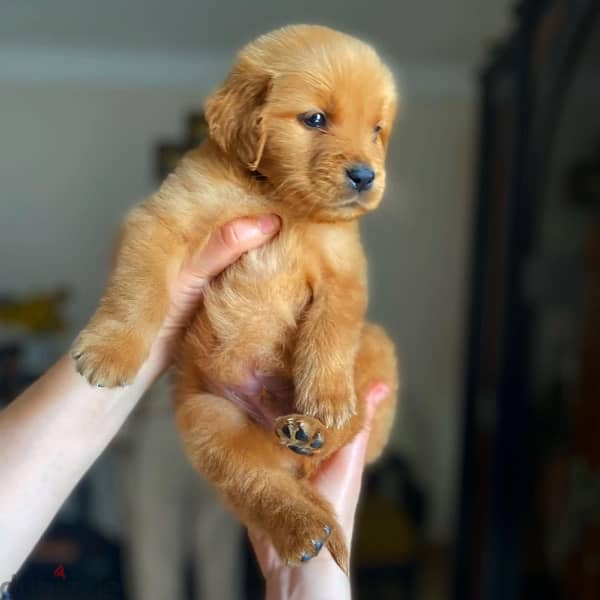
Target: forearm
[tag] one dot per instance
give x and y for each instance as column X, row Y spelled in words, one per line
column 49, row 437
column 56, row 429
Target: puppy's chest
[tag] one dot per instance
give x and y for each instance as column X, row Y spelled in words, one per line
column 267, row 288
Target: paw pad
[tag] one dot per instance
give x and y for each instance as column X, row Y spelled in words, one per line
column 301, row 434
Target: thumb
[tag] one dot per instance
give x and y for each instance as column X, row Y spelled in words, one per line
column 230, row 241
column 357, row 449
column 375, row 395
column 339, row 479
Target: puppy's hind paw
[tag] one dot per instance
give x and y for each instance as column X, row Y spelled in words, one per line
column 316, row 545
column 301, row 434
column 303, row 545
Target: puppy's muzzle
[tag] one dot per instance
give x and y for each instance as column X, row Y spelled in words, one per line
column 360, row 177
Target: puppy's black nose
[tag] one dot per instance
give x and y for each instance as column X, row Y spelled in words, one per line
column 360, row 177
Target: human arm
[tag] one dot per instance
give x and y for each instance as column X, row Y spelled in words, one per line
column 54, row 431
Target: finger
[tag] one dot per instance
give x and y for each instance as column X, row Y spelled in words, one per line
column 263, row 549
column 340, row 477
column 230, row 241
column 374, row 396
column 355, row 451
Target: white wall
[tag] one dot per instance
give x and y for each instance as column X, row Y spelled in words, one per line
column 75, row 156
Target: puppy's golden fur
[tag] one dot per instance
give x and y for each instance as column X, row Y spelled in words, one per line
column 282, row 331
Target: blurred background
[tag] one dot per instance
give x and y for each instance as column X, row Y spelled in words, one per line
column 484, row 267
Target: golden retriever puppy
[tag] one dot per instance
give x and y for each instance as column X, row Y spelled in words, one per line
column 273, row 372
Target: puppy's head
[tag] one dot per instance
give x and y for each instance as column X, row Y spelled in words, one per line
column 311, row 109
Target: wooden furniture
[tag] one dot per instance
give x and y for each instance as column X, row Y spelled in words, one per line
column 522, row 442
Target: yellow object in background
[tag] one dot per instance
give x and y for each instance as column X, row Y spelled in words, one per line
column 386, row 535
column 41, row 312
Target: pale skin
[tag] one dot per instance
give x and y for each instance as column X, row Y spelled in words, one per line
column 55, row 430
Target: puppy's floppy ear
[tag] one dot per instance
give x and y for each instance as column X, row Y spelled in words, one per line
column 390, row 111
column 235, row 114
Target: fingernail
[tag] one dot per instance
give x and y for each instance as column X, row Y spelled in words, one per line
column 269, row 223
column 380, row 391
column 376, row 394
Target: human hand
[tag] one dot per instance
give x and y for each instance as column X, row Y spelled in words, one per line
column 72, row 422
column 338, row 480
column 224, row 247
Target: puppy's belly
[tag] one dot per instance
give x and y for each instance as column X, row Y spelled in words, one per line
column 263, row 397
column 241, row 343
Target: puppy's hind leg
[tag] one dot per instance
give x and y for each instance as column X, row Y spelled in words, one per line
column 256, row 478
column 376, row 362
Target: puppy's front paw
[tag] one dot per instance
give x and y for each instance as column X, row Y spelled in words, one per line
column 108, row 356
column 332, row 402
column 335, row 412
column 301, row 434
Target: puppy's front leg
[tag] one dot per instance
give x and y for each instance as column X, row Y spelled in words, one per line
column 326, row 347
column 116, row 341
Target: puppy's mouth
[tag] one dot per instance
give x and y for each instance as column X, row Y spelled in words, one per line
column 355, row 202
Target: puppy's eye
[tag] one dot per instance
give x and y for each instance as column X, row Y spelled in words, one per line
column 376, row 131
column 315, row 120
